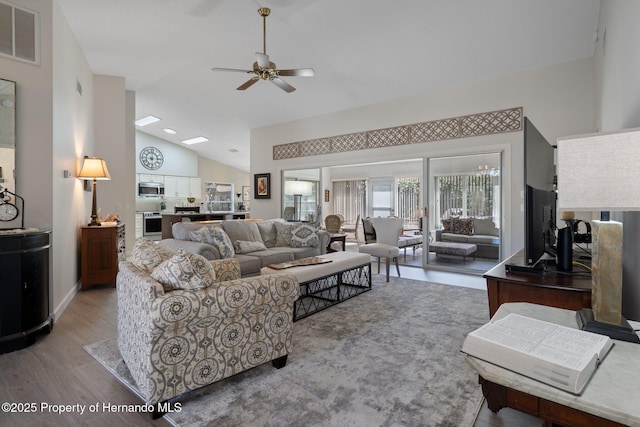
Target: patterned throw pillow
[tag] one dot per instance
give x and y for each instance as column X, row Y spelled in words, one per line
column 185, row 271
column 446, row 225
column 462, row 226
column 304, row 236
column 215, row 236
column 147, row 254
column 245, row 247
column 268, row 231
column 283, row 233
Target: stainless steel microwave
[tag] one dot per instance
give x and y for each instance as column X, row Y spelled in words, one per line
column 150, row 189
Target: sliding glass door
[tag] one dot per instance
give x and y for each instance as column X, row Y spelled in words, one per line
column 464, row 222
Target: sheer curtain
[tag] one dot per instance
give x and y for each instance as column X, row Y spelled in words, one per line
column 408, row 199
column 468, row 196
column 350, row 199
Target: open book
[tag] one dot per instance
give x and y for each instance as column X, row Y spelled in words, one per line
column 556, row 355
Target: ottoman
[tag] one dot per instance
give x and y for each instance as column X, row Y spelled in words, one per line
column 323, row 285
column 451, row 248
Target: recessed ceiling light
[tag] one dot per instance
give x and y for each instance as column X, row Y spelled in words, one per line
column 195, row 140
column 170, row 131
column 147, row 120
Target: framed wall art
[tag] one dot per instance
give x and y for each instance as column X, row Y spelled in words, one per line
column 262, row 185
column 246, row 193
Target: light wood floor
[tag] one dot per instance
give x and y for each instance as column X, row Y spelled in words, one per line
column 56, row 370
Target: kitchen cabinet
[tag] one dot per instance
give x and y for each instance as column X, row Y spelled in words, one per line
column 176, row 186
column 150, row 178
column 195, row 188
column 139, row 224
column 182, row 187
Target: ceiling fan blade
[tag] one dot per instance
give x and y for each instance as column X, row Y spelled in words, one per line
column 300, row 72
column 248, row 83
column 283, row 85
column 231, row 69
column 262, row 59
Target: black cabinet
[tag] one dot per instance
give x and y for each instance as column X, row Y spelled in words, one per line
column 24, row 288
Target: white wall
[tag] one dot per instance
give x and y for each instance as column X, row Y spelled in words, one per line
column 618, row 70
column 56, row 126
column 72, row 139
column 179, row 161
column 559, row 100
column 113, row 121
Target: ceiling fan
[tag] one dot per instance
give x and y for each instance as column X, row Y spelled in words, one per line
column 265, row 69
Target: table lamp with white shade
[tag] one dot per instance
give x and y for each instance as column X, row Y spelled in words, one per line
column 601, row 172
column 94, row 168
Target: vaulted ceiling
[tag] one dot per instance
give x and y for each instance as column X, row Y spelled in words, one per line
column 362, row 51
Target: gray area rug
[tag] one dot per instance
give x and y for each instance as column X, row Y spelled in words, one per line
column 389, row 357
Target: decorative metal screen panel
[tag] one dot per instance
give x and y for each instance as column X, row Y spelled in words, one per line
column 388, row 137
column 314, row 147
column 492, row 122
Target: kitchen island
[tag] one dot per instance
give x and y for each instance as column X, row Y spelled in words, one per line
column 168, row 219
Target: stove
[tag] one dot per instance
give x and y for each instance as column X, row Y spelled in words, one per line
column 152, row 225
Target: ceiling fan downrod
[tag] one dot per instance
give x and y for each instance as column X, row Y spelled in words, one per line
column 264, row 12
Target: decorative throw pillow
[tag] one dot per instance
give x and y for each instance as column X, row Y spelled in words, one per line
column 185, row 271
column 446, row 225
column 485, row 226
column 245, row 247
column 304, row 236
column 147, row 254
column 462, row 226
column 268, row 232
column 216, row 237
column 283, row 233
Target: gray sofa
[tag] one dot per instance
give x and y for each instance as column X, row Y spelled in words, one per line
column 481, row 232
column 255, row 244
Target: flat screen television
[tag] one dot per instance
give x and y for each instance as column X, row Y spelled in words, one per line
column 539, row 225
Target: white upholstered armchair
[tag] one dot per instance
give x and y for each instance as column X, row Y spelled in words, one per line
column 387, row 232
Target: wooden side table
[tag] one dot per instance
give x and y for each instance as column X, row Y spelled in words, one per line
column 555, row 289
column 102, row 248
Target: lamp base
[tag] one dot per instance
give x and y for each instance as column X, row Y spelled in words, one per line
column 622, row 332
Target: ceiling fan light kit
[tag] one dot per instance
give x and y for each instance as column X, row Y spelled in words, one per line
column 264, row 69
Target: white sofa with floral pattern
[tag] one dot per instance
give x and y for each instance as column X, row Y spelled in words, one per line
column 185, row 322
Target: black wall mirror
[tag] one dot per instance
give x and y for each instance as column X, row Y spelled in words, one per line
column 7, row 134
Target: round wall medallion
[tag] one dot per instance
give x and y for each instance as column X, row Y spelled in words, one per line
column 151, row 158
column 8, row 211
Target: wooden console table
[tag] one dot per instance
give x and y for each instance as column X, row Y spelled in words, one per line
column 552, row 288
column 610, row 398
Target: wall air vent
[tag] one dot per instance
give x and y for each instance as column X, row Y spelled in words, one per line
column 19, row 30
